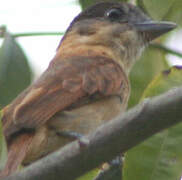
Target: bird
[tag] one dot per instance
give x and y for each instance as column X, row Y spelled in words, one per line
column 85, row 85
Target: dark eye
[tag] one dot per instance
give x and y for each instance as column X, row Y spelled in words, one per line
column 114, row 14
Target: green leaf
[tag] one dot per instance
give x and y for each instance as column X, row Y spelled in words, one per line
column 152, row 7
column 170, row 10
column 113, row 172
column 166, row 80
column 3, row 149
column 175, row 12
column 90, row 175
column 85, row 3
column 15, row 73
column 151, row 63
column 159, row 157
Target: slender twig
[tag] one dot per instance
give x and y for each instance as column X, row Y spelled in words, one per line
column 38, row 34
column 35, row 34
column 166, row 49
column 153, row 45
column 109, row 140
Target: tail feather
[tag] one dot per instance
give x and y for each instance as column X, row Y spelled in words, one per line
column 17, row 151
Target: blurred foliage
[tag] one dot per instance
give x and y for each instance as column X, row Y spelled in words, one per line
column 152, row 7
column 170, row 10
column 85, row 3
column 3, row 149
column 108, row 171
column 166, row 80
column 159, row 157
column 175, row 12
column 151, row 63
column 15, row 73
column 90, row 175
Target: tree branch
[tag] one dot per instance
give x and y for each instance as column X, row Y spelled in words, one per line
column 109, row 140
column 166, row 49
column 38, row 34
column 27, row 34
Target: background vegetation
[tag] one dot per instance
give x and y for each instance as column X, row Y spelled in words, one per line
column 160, row 157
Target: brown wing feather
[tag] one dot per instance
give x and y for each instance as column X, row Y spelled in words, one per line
column 16, row 154
column 62, row 84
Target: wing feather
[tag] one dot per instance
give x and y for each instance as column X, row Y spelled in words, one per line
column 61, row 85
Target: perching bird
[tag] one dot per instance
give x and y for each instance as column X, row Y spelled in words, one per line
column 85, row 85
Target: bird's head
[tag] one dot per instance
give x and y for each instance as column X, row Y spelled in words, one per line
column 122, row 29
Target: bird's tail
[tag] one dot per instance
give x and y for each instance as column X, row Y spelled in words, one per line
column 17, row 151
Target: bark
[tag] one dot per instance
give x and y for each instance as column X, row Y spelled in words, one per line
column 109, row 140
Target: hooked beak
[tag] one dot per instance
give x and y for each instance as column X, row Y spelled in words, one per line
column 153, row 29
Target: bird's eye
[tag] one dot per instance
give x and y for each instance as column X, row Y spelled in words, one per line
column 114, row 14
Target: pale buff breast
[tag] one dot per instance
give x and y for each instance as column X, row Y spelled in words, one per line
column 83, row 120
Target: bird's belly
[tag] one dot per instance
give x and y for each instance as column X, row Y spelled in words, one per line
column 88, row 117
column 82, row 120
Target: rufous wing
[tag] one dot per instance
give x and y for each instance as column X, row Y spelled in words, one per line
column 64, row 83
column 17, row 151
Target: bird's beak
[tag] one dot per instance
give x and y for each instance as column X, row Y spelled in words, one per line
column 153, row 29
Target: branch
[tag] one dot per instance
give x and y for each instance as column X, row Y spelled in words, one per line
column 37, row 34
column 109, row 140
column 166, row 49
column 27, row 34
